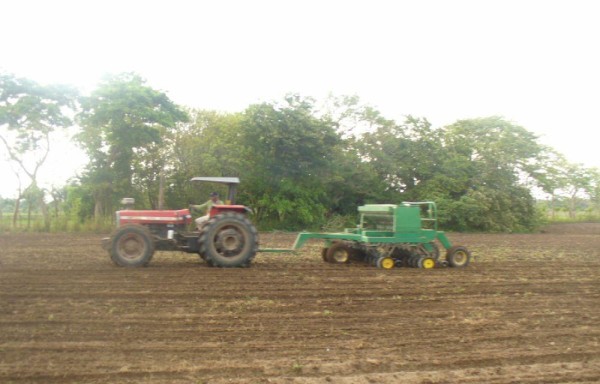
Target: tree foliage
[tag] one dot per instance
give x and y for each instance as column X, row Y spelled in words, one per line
column 302, row 164
column 288, row 154
column 124, row 122
column 472, row 168
column 29, row 114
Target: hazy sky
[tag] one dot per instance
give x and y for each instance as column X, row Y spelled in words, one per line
column 536, row 63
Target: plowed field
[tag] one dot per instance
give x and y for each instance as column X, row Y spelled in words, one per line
column 527, row 310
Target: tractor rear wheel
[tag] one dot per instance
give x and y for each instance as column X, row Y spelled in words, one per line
column 229, row 240
column 208, row 262
column 338, row 253
column 131, row 245
column 458, row 256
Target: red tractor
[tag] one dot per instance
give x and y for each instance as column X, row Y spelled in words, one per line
column 227, row 239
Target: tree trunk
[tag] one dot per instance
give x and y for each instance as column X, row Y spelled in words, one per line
column 45, row 212
column 16, row 212
column 98, row 209
column 161, row 190
column 573, row 206
column 29, row 215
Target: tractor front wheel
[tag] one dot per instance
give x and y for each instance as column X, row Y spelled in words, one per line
column 131, row 246
column 229, row 240
column 458, row 256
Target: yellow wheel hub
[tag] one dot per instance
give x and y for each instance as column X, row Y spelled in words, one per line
column 428, row 263
column 387, row 263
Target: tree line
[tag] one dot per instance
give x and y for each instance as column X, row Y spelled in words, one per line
column 303, row 163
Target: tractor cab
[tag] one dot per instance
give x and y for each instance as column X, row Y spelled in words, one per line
column 230, row 182
column 229, row 206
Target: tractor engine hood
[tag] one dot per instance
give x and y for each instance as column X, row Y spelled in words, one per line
column 176, row 217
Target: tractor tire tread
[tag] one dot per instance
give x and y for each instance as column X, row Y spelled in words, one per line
column 145, row 235
column 243, row 226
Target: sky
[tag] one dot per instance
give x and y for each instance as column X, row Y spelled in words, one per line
column 535, row 63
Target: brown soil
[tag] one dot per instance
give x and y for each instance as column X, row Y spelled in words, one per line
column 527, row 310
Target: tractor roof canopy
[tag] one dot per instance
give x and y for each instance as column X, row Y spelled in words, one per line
column 231, row 183
column 222, row 180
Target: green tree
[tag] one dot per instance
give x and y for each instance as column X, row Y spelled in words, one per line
column 79, row 204
column 353, row 177
column 474, row 169
column 124, row 122
column 594, row 190
column 404, row 155
column 352, row 182
column 288, row 151
column 209, row 144
column 498, row 147
column 551, row 175
column 579, row 180
column 494, row 157
column 29, row 114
